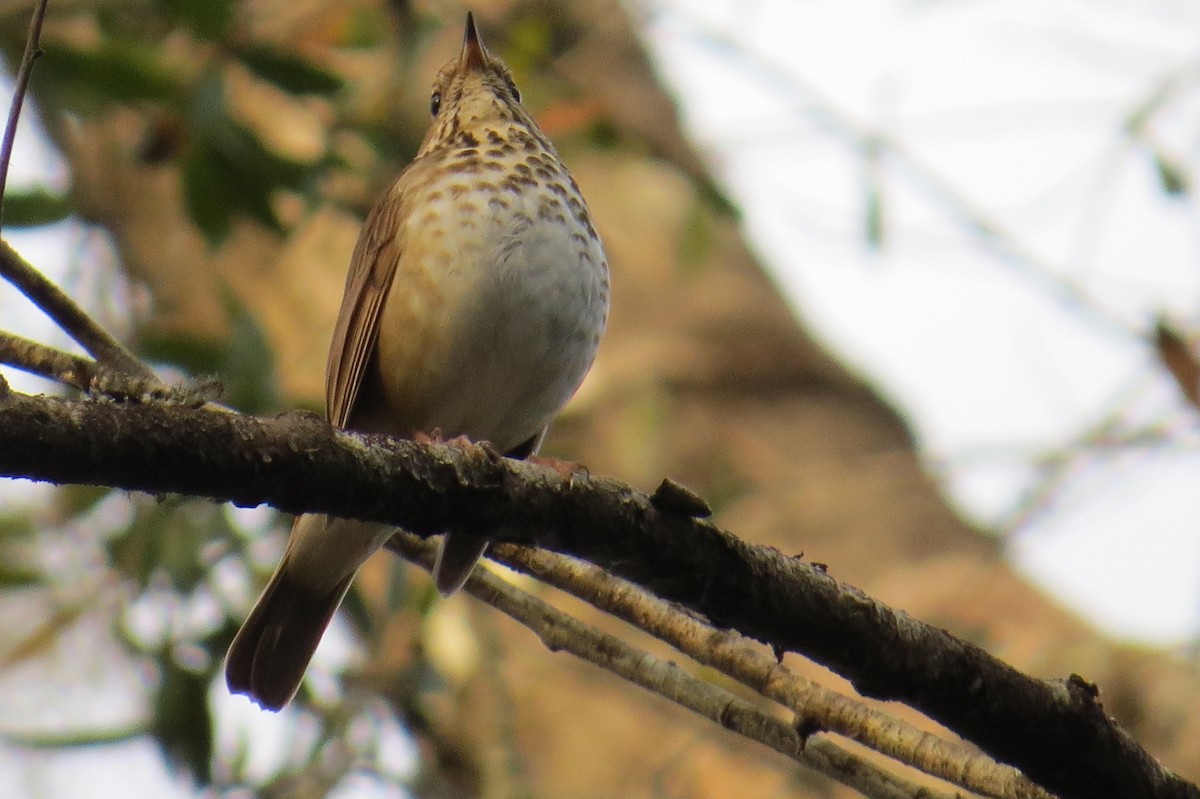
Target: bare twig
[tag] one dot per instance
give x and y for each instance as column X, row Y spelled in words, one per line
column 817, row 708
column 69, row 316
column 32, row 51
column 62, row 367
column 96, row 379
column 561, row 632
column 113, row 358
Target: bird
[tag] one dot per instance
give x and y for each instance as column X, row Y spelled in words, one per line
column 474, row 305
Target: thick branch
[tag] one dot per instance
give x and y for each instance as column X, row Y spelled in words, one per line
column 1056, row 732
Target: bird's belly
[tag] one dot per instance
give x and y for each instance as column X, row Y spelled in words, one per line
column 490, row 341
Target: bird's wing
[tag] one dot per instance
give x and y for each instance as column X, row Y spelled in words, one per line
column 371, row 271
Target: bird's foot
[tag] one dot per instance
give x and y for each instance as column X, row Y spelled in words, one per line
column 569, row 471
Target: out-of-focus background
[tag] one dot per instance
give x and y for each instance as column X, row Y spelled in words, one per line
column 895, row 283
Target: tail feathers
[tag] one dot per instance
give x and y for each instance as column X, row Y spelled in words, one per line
column 459, row 552
column 456, row 559
column 269, row 655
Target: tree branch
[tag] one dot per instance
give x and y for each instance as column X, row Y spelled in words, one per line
column 69, row 316
column 817, row 709
column 95, row 378
column 562, row 632
column 1054, row 731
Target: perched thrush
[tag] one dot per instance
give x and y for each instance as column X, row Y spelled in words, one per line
column 476, row 298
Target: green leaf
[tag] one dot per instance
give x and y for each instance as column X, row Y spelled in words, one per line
column 290, row 72
column 208, row 19
column 208, row 193
column 168, row 538
column 696, row 242
column 75, row 500
column 182, row 723
column 248, row 368
column 715, row 198
column 366, row 26
column 227, row 170
column 14, row 575
column 244, row 363
column 603, row 134
column 72, row 739
column 1171, row 175
column 16, row 525
column 117, row 71
column 35, row 207
column 529, row 42
column 192, row 355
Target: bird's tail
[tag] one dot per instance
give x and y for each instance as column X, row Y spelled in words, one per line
column 459, row 552
column 269, row 655
column 456, row 559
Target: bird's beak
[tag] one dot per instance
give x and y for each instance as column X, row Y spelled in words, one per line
column 474, row 56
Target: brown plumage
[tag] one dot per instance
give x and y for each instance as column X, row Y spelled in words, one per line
column 475, row 300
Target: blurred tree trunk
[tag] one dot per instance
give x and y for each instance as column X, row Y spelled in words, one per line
column 705, row 376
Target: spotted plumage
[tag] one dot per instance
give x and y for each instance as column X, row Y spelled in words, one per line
column 475, row 301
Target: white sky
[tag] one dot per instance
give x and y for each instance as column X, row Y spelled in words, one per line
column 1013, row 115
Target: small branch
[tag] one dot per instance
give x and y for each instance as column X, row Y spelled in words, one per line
column 33, row 51
column 1056, row 732
column 561, row 632
column 96, row 379
column 818, row 709
column 61, row 367
column 69, row 316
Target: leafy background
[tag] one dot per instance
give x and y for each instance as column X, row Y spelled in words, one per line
column 221, row 157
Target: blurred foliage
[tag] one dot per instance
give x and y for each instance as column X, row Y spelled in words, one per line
column 244, row 364
column 697, row 238
column 35, row 207
column 289, row 72
column 208, row 20
column 163, row 542
column 89, row 79
column 183, row 725
column 16, row 568
column 1172, row 175
column 229, row 173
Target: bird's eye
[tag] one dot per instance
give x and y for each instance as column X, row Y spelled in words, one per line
column 516, row 93
column 435, row 103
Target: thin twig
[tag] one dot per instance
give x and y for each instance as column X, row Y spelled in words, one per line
column 562, row 632
column 32, row 51
column 96, row 379
column 818, row 708
column 69, row 316
column 52, row 364
column 41, row 292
